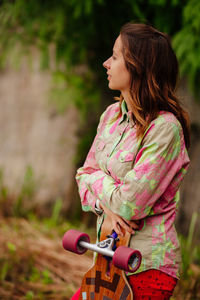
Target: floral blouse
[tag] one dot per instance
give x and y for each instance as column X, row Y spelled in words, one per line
column 138, row 179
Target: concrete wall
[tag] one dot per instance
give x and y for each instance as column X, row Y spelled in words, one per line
column 32, row 133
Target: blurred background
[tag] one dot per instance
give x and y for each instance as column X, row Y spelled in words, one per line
column 53, row 89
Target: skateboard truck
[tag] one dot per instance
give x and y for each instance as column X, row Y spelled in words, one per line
column 123, row 257
column 104, row 247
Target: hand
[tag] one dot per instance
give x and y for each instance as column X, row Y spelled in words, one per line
column 119, row 223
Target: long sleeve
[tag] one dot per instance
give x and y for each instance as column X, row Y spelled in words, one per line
column 82, row 176
column 138, row 179
column 161, row 162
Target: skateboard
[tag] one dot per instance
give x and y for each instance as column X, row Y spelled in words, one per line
column 106, row 280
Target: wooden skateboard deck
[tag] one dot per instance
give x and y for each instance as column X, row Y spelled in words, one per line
column 104, row 281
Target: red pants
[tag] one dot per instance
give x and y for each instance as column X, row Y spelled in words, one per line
column 151, row 284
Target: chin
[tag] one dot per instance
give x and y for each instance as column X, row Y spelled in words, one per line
column 111, row 86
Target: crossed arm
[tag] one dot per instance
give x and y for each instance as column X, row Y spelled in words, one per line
column 157, row 163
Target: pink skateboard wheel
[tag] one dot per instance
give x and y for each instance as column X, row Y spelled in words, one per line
column 127, row 259
column 71, row 240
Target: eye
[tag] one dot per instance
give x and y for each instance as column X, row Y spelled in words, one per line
column 114, row 57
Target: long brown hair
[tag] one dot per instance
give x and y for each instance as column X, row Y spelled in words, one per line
column 153, row 68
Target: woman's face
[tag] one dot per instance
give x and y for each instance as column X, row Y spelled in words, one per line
column 118, row 75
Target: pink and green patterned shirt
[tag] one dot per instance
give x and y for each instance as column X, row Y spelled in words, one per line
column 138, row 179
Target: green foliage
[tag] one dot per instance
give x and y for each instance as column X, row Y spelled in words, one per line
column 69, row 88
column 3, row 188
column 4, row 270
column 190, row 252
column 27, row 192
column 46, row 277
column 75, row 37
column 34, row 275
column 82, row 32
column 55, row 218
column 187, row 45
column 42, row 276
column 29, row 295
column 11, row 247
column 20, row 205
column 56, row 211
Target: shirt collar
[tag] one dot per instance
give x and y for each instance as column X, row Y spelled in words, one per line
column 126, row 114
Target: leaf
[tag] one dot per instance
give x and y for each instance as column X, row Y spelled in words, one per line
column 4, row 270
column 11, row 247
column 29, row 295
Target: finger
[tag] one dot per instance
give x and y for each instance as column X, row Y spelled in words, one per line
column 118, row 230
column 132, row 224
column 125, row 226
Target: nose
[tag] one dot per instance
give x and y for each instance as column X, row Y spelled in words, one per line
column 106, row 63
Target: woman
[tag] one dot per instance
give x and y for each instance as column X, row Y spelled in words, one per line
column 139, row 156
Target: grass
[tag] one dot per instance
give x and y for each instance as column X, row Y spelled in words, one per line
column 33, row 263
column 189, row 285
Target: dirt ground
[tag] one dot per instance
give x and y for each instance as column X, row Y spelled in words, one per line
column 34, row 265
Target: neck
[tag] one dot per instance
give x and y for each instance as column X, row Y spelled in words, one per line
column 126, row 96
